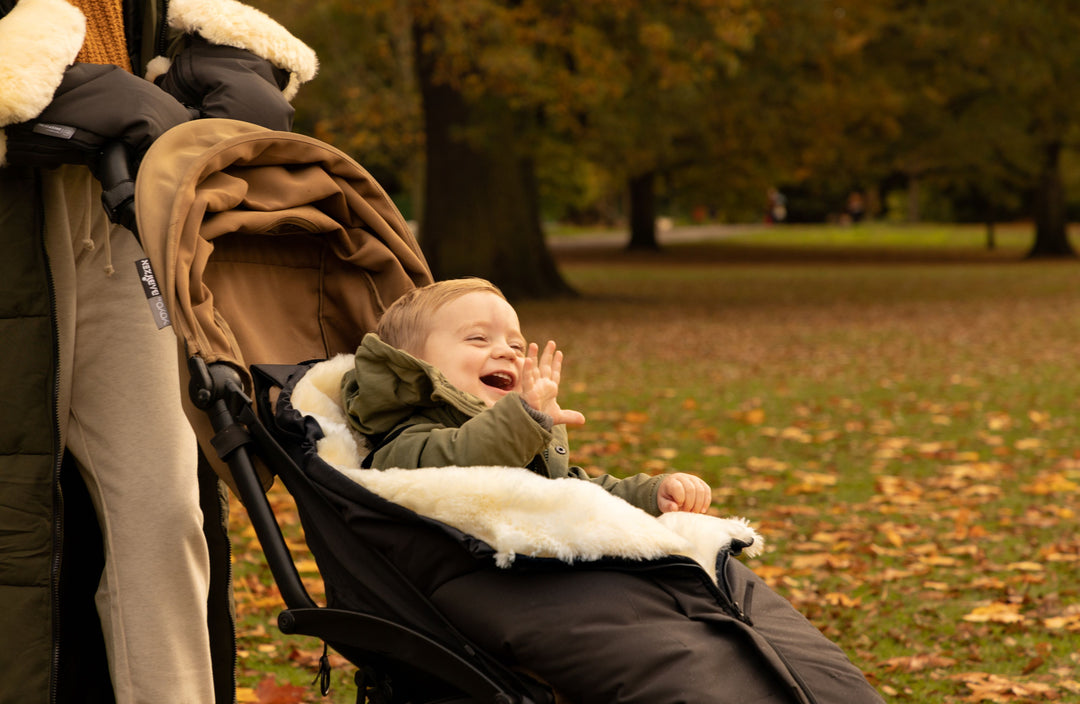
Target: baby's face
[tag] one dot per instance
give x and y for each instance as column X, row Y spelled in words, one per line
column 476, row 342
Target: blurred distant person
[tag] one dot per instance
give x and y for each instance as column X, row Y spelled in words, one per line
column 856, row 206
column 777, row 211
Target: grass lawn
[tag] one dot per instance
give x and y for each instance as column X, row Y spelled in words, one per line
column 894, row 410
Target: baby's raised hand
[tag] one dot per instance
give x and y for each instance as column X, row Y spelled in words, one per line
column 683, row 492
column 540, row 383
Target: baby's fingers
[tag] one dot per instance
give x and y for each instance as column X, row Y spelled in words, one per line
column 547, row 357
column 551, row 362
column 572, row 418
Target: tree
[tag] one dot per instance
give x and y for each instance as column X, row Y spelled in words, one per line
column 661, row 63
column 481, row 214
column 499, row 81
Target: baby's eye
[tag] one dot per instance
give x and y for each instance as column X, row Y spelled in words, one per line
column 518, row 348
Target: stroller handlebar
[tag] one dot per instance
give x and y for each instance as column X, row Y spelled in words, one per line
column 118, row 185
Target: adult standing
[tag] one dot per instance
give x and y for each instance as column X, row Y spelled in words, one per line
column 90, row 376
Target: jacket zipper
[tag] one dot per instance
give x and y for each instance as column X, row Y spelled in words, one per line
column 161, row 41
column 58, row 496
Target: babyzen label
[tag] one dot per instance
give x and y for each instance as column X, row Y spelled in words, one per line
column 153, row 293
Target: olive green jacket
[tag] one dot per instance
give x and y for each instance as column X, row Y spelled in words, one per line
column 415, row 418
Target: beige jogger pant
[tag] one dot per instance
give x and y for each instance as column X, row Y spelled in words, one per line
column 121, row 418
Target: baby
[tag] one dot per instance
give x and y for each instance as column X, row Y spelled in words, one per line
column 449, row 380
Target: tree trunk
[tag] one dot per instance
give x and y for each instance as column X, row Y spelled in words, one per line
column 914, row 212
column 1051, row 232
column 643, row 212
column 481, row 213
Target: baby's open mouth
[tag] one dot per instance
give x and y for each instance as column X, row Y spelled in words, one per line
column 503, row 381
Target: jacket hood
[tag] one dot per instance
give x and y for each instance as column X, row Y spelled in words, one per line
column 396, row 384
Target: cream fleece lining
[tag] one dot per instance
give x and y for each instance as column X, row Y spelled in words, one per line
column 512, row 509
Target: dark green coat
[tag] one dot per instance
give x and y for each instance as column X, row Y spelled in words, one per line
column 434, row 424
column 50, row 548
column 51, row 648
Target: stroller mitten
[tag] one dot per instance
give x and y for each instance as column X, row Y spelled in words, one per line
column 229, row 82
column 93, row 105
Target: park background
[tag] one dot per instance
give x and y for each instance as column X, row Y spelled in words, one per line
column 880, row 377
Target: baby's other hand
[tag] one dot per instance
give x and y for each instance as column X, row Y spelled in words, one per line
column 683, row 492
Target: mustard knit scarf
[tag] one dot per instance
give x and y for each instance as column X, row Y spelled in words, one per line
column 105, row 43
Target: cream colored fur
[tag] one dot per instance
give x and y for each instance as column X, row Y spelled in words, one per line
column 514, row 510
column 232, row 23
column 39, row 39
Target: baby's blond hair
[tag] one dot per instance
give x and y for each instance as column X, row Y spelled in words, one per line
column 407, row 322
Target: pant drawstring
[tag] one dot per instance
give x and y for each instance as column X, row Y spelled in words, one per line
column 90, row 246
column 109, row 269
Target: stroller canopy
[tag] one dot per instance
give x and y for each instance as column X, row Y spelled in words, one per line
column 269, row 247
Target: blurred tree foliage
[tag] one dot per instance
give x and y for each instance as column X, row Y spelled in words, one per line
column 978, row 102
column 487, row 115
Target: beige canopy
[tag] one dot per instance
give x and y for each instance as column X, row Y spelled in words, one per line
column 269, row 247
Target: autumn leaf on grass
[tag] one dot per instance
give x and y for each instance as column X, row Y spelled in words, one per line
column 1070, row 620
column 918, row 663
column 268, row 691
column 1051, row 483
column 810, row 483
column 753, row 416
column 996, row 612
column 838, row 599
column 986, row 687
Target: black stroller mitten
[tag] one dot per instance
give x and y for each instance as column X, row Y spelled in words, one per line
column 224, row 81
column 94, row 104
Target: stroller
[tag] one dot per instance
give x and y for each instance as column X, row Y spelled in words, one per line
column 273, row 252
column 307, row 250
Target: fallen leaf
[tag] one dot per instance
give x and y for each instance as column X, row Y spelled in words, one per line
column 996, row 612
column 268, row 691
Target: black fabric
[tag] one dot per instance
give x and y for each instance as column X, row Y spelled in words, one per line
column 615, row 636
column 83, row 671
column 94, row 104
column 220, row 604
column 224, row 81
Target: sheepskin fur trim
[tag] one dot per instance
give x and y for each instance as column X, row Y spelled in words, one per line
column 231, row 23
column 39, row 39
column 156, row 67
column 515, row 511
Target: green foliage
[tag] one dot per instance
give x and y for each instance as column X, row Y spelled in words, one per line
column 725, row 98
